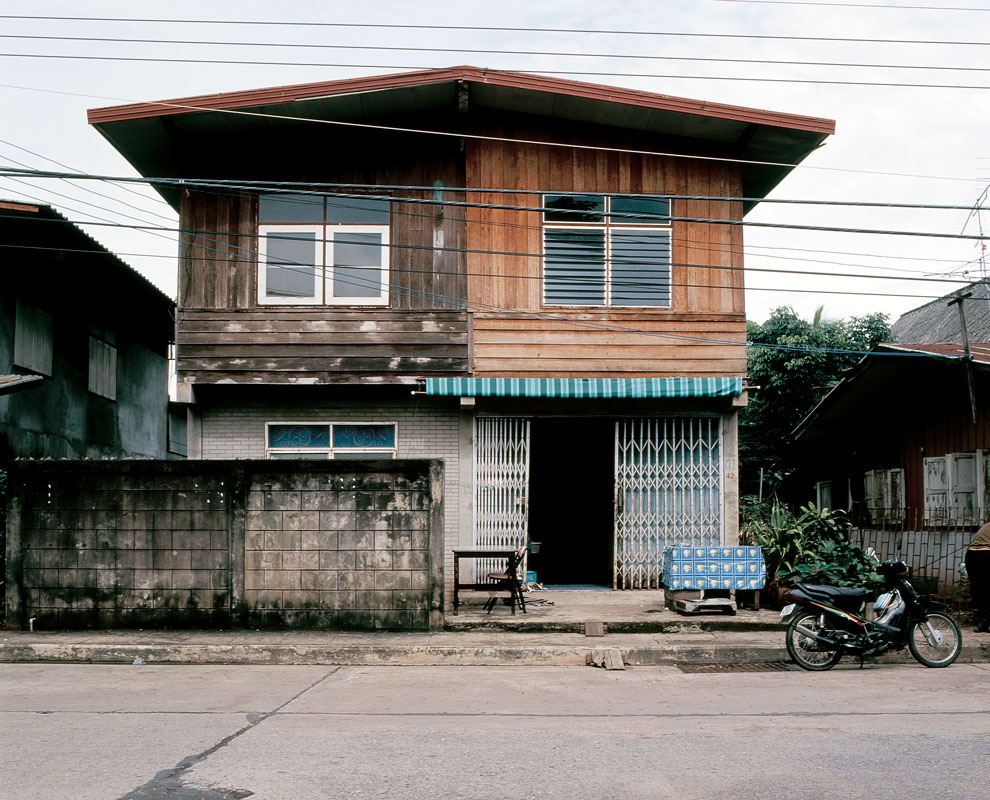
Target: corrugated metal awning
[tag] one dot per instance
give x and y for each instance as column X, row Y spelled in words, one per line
column 581, row 388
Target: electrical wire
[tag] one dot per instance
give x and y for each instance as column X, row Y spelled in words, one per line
column 476, row 51
column 519, row 313
column 583, row 73
column 503, row 139
column 482, row 28
column 695, row 245
column 319, row 188
column 854, row 5
column 187, row 182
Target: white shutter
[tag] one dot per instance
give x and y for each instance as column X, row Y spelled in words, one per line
column 936, row 488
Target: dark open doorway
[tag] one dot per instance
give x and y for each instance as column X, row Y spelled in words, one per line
column 571, row 500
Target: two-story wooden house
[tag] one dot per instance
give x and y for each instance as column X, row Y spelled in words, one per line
column 537, row 280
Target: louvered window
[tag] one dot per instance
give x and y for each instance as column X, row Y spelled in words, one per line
column 606, row 250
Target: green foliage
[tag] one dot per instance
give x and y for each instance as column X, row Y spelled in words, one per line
column 812, row 546
column 838, row 564
column 793, row 381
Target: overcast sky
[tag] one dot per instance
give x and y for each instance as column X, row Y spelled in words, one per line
column 893, row 144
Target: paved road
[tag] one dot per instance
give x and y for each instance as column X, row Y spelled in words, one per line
column 292, row 733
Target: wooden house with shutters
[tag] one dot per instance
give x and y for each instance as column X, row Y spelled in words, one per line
column 538, row 280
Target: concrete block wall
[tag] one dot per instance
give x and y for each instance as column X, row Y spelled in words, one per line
column 430, row 428
column 355, row 544
column 339, row 550
column 99, row 548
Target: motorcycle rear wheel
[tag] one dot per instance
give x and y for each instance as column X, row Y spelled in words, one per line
column 805, row 651
column 944, row 644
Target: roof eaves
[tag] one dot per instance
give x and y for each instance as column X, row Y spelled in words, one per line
column 230, row 101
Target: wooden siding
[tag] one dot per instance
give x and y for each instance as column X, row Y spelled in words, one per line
column 515, row 334
column 321, row 345
column 223, row 335
column 620, row 344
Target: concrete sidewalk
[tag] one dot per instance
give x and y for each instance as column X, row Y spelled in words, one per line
column 550, row 634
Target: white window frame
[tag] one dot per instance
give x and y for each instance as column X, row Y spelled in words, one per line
column 330, row 452
column 607, row 226
column 324, row 235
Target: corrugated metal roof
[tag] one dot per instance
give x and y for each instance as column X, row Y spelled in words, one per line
column 585, row 388
column 16, row 383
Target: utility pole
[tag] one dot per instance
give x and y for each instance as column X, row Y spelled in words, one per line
column 957, row 301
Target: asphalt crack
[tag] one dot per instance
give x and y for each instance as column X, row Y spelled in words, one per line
column 168, row 782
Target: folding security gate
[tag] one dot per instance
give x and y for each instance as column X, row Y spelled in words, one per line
column 667, row 491
column 501, row 485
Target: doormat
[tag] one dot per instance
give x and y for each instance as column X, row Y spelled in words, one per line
column 769, row 666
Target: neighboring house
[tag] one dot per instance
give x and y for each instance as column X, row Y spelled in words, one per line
column 83, row 342
column 938, row 321
column 537, row 280
column 896, row 440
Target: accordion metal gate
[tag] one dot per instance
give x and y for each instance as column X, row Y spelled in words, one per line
column 501, row 486
column 668, row 490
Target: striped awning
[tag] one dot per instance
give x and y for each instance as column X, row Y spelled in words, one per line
column 579, row 388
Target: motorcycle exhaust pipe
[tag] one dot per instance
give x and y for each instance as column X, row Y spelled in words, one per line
column 816, row 636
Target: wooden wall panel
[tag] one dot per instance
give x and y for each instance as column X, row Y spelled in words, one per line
column 602, row 345
column 505, row 259
column 319, row 345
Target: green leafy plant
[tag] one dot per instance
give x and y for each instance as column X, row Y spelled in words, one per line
column 839, row 564
column 812, row 546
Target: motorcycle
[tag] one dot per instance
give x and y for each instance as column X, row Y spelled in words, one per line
column 823, row 623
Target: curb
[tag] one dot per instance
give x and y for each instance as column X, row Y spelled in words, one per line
column 496, row 654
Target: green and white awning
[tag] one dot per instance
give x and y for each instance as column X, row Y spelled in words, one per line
column 585, row 388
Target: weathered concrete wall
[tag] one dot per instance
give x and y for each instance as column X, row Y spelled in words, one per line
column 355, row 544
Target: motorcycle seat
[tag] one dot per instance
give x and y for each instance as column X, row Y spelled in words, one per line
column 837, row 595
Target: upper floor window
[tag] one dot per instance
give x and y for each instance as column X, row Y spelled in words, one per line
column 323, row 251
column 606, row 250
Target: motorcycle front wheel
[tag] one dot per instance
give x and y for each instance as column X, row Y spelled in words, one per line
column 805, row 650
column 935, row 642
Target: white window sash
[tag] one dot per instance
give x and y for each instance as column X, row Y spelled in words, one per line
column 318, row 257
column 323, row 261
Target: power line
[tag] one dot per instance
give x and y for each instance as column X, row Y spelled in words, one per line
column 730, row 249
column 854, row 5
column 504, row 277
column 87, row 189
column 197, row 239
column 519, row 313
column 503, row 139
column 479, row 51
column 319, row 187
column 188, row 182
column 583, row 73
column 509, row 29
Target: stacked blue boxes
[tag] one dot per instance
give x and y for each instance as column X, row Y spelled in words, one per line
column 692, row 567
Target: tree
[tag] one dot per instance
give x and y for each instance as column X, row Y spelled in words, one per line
column 795, row 363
